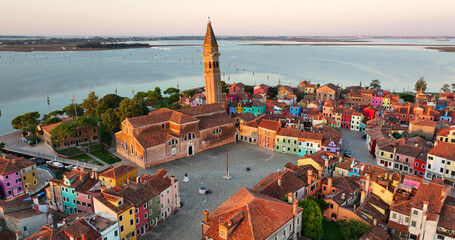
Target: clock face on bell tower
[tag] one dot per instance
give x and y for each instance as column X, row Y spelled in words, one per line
column 211, row 67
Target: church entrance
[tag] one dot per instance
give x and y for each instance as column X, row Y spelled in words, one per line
column 190, row 150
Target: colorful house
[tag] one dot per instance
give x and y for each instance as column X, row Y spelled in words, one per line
column 356, row 122
column 258, row 108
column 295, row 110
column 267, row 130
column 260, row 89
column 71, row 180
column 322, row 161
column 446, row 134
column 309, row 143
column 287, row 140
column 10, row 175
column 118, row 175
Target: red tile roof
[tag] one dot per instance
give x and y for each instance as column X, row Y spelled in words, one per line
column 444, row 150
column 117, row 171
column 257, row 215
column 270, row 125
column 12, row 164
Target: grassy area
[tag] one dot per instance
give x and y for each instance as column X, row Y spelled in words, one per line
column 87, row 159
column 69, row 151
column 331, row 230
column 107, row 157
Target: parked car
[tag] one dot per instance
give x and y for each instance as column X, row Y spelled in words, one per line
column 37, row 160
column 347, row 153
column 69, row 167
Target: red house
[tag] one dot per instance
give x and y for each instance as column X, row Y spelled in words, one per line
column 368, row 113
column 260, row 89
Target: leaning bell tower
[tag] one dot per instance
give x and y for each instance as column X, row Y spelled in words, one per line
column 211, row 67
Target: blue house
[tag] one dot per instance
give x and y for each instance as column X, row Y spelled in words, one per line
column 295, row 110
column 233, row 107
column 441, row 105
column 447, row 116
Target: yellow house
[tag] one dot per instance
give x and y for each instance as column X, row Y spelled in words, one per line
column 29, row 176
column 117, row 176
column 383, row 185
column 119, row 208
column 249, row 132
column 446, row 134
column 386, row 103
column 309, row 161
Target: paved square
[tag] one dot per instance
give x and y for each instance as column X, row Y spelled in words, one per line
column 207, row 169
column 353, row 141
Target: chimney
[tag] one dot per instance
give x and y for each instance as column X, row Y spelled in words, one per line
column 443, row 192
column 425, row 206
column 375, row 221
column 290, row 198
column 206, row 216
column 355, row 207
column 294, row 207
column 329, row 182
column 35, row 203
column 279, row 181
column 362, row 196
column 128, row 180
column 138, row 179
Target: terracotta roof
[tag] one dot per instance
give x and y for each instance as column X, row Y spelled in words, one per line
column 375, row 233
column 397, row 226
column 26, row 213
column 288, row 132
column 408, row 150
column 150, row 139
column 321, row 156
column 445, row 131
column 433, row 193
column 256, row 215
column 290, row 183
column 45, row 233
column 403, row 207
column 107, row 196
column 444, row 150
column 310, row 136
column 6, row 234
column 117, row 171
column 346, row 164
column 87, row 185
column 247, row 116
column 270, row 125
column 203, row 110
column 13, row 164
column 159, row 181
column 49, row 127
column 426, row 123
column 447, row 218
column 214, row 120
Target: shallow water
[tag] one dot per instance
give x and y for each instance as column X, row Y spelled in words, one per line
column 27, row 78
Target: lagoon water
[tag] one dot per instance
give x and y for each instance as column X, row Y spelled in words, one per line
column 27, row 78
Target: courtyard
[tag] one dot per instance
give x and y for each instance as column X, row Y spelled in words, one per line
column 354, row 142
column 207, row 169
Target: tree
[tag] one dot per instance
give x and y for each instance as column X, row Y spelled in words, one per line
column 174, row 98
column 224, row 87
column 171, row 91
column 129, row 108
column 189, row 93
column 249, row 89
column 2, row 146
column 311, row 219
column 85, row 122
column 300, row 96
column 62, row 132
column 26, row 122
column 56, row 113
column 421, row 85
column 52, row 120
column 153, row 96
column 445, row 88
column 375, row 83
column 73, row 110
column 140, row 96
column 407, row 97
column 272, row 91
column 453, row 87
column 353, row 229
column 110, row 121
column 158, row 90
column 106, row 102
column 176, row 105
column 397, row 135
column 89, row 104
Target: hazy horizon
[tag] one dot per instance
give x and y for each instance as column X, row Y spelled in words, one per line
column 230, row 18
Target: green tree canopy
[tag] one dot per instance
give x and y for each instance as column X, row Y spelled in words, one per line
column 26, row 122
column 85, row 121
column 158, row 90
column 176, row 105
column 106, row 102
column 189, row 93
column 445, row 88
column 129, row 108
column 174, row 98
column 272, row 92
column 153, row 95
column 453, row 87
column 110, row 121
column 62, row 132
column 90, row 103
column 249, row 89
column 421, row 85
column 224, row 87
column 52, row 120
column 140, row 96
column 171, row 91
column 407, row 97
column 56, row 113
column 353, row 229
column 73, row 109
column 375, row 83
column 311, row 219
column 2, row 146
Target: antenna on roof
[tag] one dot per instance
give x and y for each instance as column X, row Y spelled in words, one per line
column 208, row 18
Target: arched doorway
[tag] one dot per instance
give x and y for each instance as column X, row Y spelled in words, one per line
column 190, row 150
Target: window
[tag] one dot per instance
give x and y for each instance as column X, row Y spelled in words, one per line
column 406, row 219
column 131, row 222
column 162, row 126
column 146, row 215
column 120, row 218
column 217, row 131
column 394, row 215
column 131, row 211
column 137, row 220
column 145, row 205
column 121, row 228
column 417, row 164
column 413, row 223
column 415, row 212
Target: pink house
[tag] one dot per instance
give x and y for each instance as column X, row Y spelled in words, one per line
column 260, row 89
column 10, row 176
column 85, row 194
column 376, row 100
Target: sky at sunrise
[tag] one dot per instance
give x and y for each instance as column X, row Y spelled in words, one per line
column 230, row 17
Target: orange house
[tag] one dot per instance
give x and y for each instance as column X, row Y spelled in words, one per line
column 267, row 131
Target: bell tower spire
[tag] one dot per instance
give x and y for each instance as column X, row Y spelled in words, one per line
column 211, row 67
